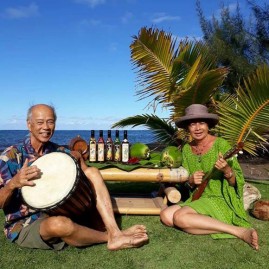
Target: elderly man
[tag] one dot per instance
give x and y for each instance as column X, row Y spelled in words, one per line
column 37, row 229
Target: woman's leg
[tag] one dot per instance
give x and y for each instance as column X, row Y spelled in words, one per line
column 190, row 221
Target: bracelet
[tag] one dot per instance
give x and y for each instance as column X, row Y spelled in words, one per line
column 230, row 175
column 188, row 185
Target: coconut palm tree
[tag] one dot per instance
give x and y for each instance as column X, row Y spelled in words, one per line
column 175, row 74
column 245, row 115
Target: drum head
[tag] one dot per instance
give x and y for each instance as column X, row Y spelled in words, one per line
column 59, row 174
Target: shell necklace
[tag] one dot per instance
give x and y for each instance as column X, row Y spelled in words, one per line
column 199, row 149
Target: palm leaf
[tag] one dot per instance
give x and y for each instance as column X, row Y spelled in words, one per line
column 245, row 116
column 162, row 130
column 152, row 53
column 200, row 92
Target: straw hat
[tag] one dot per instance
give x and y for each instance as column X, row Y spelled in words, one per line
column 197, row 112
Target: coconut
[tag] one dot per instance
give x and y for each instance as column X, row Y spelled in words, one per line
column 171, row 156
column 140, row 151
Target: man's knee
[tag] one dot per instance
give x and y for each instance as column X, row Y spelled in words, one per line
column 92, row 172
column 58, row 226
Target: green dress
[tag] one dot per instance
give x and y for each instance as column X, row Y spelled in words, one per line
column 219, row 200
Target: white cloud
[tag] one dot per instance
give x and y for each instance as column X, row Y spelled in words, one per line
column 161, row 17
column 127, row 17
column 21, row 12
column 91, row 3
column 84, row 123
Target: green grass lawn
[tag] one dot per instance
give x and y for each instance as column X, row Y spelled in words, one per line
column 168, row 249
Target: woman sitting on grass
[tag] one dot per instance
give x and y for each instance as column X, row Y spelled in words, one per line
column 220, row 210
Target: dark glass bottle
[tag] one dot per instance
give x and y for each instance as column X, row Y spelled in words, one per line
column 100, row 147
column 109, row 147
column 117, row 147
column 92, row 147
column 125, row 148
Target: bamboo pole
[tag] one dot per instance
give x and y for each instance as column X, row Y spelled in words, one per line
column 172, row 194
column 138, row 206
column 174, row 175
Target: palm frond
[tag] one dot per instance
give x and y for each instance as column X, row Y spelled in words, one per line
column 200, row 92
column 245, row 116
column 162, row 130
column 152, row 52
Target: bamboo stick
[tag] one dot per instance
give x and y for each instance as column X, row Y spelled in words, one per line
column 174, row 175
column 138, row 206
column 172, row 194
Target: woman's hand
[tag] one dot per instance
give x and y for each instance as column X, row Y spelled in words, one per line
column 222, row 165
column 227, row 171
column 196, row 178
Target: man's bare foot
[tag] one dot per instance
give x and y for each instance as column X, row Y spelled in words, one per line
column 135, row 229
column 123, row 241
column 250, row 236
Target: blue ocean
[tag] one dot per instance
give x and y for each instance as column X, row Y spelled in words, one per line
column 63, row 137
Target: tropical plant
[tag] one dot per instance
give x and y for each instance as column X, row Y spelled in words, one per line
column 174, row 74
column 245, row 115
column 163, row 131
column 177, row 76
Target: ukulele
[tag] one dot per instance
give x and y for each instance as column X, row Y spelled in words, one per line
column 200, row 189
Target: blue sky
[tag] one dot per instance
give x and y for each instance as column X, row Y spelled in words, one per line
column 75, row 55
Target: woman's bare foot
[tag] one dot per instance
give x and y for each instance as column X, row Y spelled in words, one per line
column 135, row 229
column 122, row 241
column 250, row 236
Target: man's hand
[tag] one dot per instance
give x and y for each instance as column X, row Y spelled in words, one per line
column 77, row 155
column 25, row 176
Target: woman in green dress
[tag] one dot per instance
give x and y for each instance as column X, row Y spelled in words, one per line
column 220, row 209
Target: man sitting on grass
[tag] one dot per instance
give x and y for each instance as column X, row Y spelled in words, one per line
column 37, row 229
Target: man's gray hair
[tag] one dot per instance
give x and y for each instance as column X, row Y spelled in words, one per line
column 30, row 110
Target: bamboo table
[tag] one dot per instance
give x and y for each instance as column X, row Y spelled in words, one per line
column 146, row 205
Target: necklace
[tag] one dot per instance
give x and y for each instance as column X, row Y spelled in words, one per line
column 200, row 149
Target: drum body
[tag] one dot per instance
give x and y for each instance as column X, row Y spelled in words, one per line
column 79, row 144
column 261, row 209
column 62, row 188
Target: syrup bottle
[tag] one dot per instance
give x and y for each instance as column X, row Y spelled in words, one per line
column 92, row 148
column 125, row 148
column 101, row 147
column 117, row 147
column 109, row 147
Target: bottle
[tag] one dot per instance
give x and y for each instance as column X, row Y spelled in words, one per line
column 109, row 147
column 125, row 148
column 100, row 147
column 92, row 147
column 117, row 148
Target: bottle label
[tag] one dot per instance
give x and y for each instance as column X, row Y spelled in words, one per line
column 109, row 152
column 92, row 157
column 117, row 153
column 125, row 153
column 101, row 153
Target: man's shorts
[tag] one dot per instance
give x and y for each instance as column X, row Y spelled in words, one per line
column 29, row 237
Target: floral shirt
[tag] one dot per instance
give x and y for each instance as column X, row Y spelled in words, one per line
column 17, row 213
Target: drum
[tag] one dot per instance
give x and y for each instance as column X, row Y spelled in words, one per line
column 261, row 209
column 62, row 189
column 79, row 144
